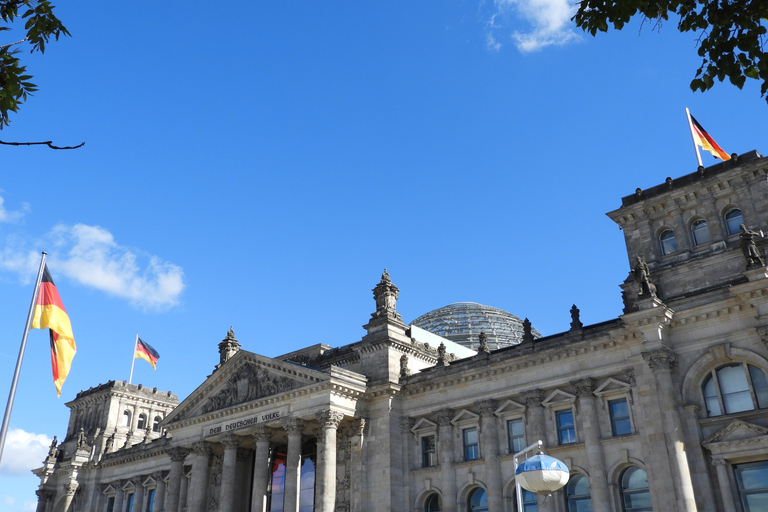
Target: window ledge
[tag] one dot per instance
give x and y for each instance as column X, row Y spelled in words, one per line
column 426, row 469
column 472, row 462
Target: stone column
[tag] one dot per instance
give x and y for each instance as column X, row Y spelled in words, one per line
column 406, row 423
column 227, row 496
column 70, row 489
column 138, row 496
column 489, row 449
column 598, row 481
column 325, row 490
column 294, row 427
column 261, row 470
column 538, row 430
column 700, row 474
column 445, row 456
column 723, row 469
column 661, row 362
column 177, row 456
column 199, row 480
column 159, row 491
column 356, row 464
column 119, row 495
column 42, row 499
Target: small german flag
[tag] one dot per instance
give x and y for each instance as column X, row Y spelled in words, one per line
column 50, row 314
column 707, row 143
column 145, row 351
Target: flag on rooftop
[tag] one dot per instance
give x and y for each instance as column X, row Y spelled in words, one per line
column 50, row 314
column 705, row 140
column 145, row 351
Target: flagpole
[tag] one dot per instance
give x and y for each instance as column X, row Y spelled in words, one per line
column 12, row 394
column 693, row 137
column 133, row 357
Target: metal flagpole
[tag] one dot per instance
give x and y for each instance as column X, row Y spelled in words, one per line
column 133, row 358
column 693, row 137
column 12, row 394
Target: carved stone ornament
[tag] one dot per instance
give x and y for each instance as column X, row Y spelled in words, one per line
column 584, row 387
column 527, row 332
column 629, row 373
column 406, row 424
column 294, row 426
column 441, row 359
column 719, row 462
column 444, row 417
column 487, row 407
column 762, row 331
column 178, row 454
column 262, row 434
column 230, row 441
column 404, row 370
column 660, row 359
column 385, row 294
column 483, row 348
column 71, row 488
column 228, row 347
column 575, row 320
column 250, row 382
column 533, row 397
column 329, row 419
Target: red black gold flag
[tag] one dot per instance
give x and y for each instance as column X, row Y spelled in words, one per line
column 705, row 140
column 145, row 351
column 50, row 314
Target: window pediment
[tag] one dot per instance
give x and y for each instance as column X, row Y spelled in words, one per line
column 612, row 386
column 424, row 425
column 559, row 397
column 735, row 432
column 509, row 408
column 465, row 417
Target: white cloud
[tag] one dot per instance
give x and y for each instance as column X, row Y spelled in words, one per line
column 6, row 216
column 90, row 255
column 548, row 23
column 23, row 452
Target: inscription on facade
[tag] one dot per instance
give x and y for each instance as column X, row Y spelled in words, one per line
column 243, row 423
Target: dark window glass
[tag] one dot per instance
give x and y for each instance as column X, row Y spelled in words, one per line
column 619, row 411
column 635, row 496
column 752, row 480
column 428, row 455
column 733, row 221
column 700, row 232
column 156, row 424
column 471, row 449
column 142, row 424
column 577, row 496
column 432, row 504
column 667, row 242
column 478, row 501
column 516, row 434
column 129, row 503
column 111, row 504
column 151, row 501
column 566, row 432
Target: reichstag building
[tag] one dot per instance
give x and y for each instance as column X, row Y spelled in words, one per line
column 661, row 409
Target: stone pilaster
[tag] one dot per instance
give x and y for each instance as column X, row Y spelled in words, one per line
column 159, row 491
column 294, row 427
column 661, row 361
column 357, row 476
column 227, row 497
column 119, row 494
column 261, row 470
column 705, row 497
column 69, row 494
column 325, row 488
column 42, row 499
column 489, row 449
column 445, row 456
column 598, row 480
column 172, row 501
column 723, row 469
column 538, row 430
column 406, row 424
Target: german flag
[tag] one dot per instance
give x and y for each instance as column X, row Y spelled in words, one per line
column 145, row 351
column 50, row 314
column 706, row 141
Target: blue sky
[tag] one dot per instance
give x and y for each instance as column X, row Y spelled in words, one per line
column 258, row 164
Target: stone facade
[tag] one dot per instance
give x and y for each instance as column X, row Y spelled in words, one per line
column 663, row 408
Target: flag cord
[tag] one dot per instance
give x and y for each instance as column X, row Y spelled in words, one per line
column 133, row 358
column 12, row 394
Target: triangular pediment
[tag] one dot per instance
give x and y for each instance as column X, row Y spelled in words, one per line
column 465, row 416
column 246, row 377
column 424, row 425
column 558, row 396
column 736, row 430
column 612, row 386
column 509, row 407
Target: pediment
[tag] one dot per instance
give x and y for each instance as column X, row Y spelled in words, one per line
column 424, row 425
column 246, row 377
column 612, row 385
column 110, row 489
column 465, row 416
column 509, row 407
column 736, row 430
column 558, row 396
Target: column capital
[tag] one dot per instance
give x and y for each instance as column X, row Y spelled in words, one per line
column 230, row 441
column 178, row 454
column 487, row 406
column 629, row 374
column 158, row 476
column 406, row 423
column 533, row 397
column 719, row 462
column 202, row 448
column 294, row 426
column 444, row 417
column 71, row 488
column 329, row 419
column 660, row 359
column 262, row 434
column 584, row 387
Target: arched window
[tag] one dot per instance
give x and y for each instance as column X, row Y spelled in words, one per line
column 667, row 242
column 156, row 424
column 142, row 424
column 577, row 496
column 478, row 501
column 735, row 388
column 700, row 232
column 432, row 504
column 126, row 418
column 733, row 221
column 635, row 496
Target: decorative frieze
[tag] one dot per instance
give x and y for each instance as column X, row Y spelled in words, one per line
column 660, row 359
column 250, row 382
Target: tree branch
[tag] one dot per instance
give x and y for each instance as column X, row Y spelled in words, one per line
column 46, row 143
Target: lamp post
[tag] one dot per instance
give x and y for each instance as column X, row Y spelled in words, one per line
column 540, row 473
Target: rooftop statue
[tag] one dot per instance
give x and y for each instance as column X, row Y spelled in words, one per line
column 749, row 247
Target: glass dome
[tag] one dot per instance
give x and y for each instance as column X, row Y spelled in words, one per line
column 462, row 323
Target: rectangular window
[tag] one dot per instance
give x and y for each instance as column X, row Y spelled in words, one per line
column 516, row 435
column 111, row 504
column 471, row 448
column 619, row 411
column 752, row 479
column 129, row 503
column 151, row 501
column 428, row 454
column 566, row 431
